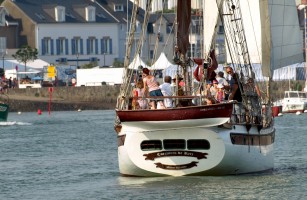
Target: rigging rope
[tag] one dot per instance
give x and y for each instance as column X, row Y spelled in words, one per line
column 126, row 86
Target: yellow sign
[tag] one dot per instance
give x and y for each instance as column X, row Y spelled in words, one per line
column 51, row 71
column 51, row 75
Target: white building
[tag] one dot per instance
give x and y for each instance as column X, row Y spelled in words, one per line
column 72, row 32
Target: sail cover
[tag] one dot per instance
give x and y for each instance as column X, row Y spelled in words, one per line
column 183, row 20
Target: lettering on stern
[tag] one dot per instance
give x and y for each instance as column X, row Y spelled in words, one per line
column 153, row 156
column 213, row 108
column 176, row 167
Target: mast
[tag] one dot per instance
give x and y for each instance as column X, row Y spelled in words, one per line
column 305, row 39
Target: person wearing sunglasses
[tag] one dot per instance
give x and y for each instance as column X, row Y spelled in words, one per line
column 236, row 95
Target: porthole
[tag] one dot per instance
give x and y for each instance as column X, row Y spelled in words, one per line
column 198, row 144
column 150, row 145
column 174, row 144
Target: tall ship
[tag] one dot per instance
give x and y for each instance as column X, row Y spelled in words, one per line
column 196, row 137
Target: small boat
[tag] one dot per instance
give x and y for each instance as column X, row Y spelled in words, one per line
column 277, row 108
column 4, row 107
column 294, row 101
column 202, row 139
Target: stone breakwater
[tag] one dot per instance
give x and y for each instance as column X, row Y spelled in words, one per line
column 63, row 98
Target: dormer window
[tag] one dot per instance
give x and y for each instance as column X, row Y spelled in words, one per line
column 2, row 19
column 60, row 14
column 118, row 7
column 3, row 12
column 90, row 13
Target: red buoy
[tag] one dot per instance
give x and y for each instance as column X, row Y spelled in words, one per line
column 39, row 112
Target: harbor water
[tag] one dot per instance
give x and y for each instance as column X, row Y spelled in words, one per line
column 73, row 155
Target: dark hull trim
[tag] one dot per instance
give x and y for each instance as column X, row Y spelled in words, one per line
column 4, row 110
column 252, row 140
column 222, row 110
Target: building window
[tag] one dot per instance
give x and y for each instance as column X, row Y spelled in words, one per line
column 150, row 28
column 90, row 14
column 118, row 7
column 47, row 46
column 169, row 28
column 62, row 46
column 221, row 29
column 106, row 45
column 160, row 37
column 77, row 46
column 60, row 14
column 151, row 54
column 92, row 45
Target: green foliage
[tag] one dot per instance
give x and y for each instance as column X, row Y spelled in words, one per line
column 117, row 63
column 89, row 65
column 26, row 54
column 298, row 87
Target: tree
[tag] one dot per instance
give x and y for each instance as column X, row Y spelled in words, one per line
column 1, row 72
column 26, row 54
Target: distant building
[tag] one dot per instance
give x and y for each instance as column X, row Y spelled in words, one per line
column 72, row 32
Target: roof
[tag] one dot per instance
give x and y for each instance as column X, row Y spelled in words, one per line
column 169, row 17
column 121, row 16
column 42, row 11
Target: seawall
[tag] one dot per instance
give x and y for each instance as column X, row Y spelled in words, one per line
column 63, row 98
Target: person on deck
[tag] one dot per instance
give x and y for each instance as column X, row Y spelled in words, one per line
column 213, row 89
column 139, row 100
column 221, row 79
column 220, row 94
column 166, row 90
column 152, row 86
column 235, row 94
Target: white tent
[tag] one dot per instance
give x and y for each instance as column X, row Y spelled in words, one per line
column 162, row 62
column 37, row 64
column 96, row 76
column 136, row 62
column 293, row 72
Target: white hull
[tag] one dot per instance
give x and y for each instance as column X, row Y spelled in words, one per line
column 294, row 107
column 138, row 126
column 294, row 101
column 221, row 158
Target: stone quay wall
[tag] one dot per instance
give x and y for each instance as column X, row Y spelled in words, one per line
column 63, row 98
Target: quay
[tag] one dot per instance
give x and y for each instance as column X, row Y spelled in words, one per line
column 63, row 98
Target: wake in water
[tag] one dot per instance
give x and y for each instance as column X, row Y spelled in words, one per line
column 15, row 123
